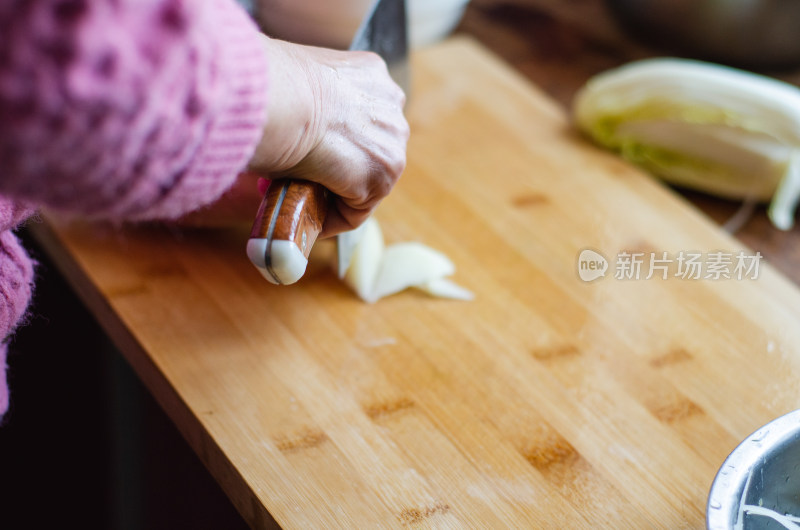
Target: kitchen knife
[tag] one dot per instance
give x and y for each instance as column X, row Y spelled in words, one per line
column 292, row 212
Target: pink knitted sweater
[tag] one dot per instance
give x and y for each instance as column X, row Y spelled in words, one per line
column 119, row 109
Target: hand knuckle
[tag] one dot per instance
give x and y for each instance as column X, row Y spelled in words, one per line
column 396, row 165
column 405, row 130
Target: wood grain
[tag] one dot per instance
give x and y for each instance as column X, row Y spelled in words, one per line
column 548, row 402
column 559, row 45
column 292, row 210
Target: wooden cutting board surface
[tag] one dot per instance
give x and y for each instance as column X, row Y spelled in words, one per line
column 547, row 402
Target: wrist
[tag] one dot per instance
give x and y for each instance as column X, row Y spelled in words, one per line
column 291, row 124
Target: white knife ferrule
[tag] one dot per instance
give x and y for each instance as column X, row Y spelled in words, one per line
column 283, row 265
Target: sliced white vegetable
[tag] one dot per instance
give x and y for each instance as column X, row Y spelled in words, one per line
column 781, row 210
column 717, row 129
column 786, row 520
column 444, row 288
column 405, row 265
column 366, row 260
column 377, row 271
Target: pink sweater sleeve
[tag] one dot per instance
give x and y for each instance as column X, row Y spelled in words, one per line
column 127, row 109
column 119, row 109
column 16, row 281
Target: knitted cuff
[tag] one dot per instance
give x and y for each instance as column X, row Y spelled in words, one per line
column 233, row 135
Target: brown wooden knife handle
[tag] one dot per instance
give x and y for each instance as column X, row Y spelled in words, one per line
column 292, row 210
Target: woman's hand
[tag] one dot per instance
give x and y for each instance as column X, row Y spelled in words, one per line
column 334, row 117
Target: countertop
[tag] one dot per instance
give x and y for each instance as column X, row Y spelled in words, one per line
column 550, row 400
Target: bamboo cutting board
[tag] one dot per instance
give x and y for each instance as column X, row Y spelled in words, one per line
column 547, row 402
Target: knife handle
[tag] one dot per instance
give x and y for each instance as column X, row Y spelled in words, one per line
column 287, row 224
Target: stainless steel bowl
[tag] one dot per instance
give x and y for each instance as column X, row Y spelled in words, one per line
column 763, row 472
column 751, row 33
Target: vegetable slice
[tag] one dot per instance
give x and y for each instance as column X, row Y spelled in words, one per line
column 366, row 260
column 408, row 264
column 444, row 288
column 377, row 271
column 701, row 125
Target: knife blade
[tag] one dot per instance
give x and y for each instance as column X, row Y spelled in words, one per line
column 292, row 212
